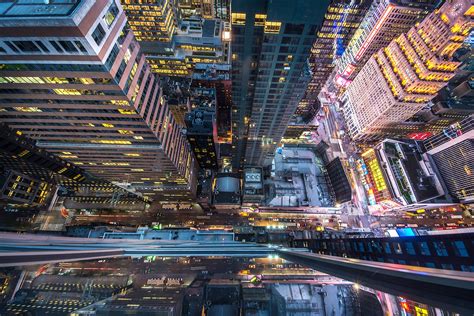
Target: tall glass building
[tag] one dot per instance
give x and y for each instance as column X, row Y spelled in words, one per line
column 271, row 42
column 341, row 20
column 73, row 79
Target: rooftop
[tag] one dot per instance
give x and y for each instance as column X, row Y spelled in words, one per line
column 37, row 8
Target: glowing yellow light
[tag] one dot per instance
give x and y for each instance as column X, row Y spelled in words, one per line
column 260, row 19
column 125, row 132
column 444, row 18
column 115, row 164
column 272, row 27
column 111, row 141
column 126, row 112
column 238, row 18
column 470, row 11
column 67, row 91
column 377, row 175
column 27, row 109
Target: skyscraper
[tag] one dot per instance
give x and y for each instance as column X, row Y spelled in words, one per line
column 271, row 41
column 73, row 79
column 151, row 21
column 400, row 79
column 28, row 176
column 218, row 77
column 175, row 40
column 384, row 21
column 340, row 22
column 202, row 136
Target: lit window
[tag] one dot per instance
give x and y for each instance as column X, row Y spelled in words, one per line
column 109, row 17
column 27, row 109
column 272, row 27
column 86, row 80
column 260, row 19
column 67, row 91
column 238, row 18
column 115, row 164
column 125, row 132
column 111, row 141
column 68, row 156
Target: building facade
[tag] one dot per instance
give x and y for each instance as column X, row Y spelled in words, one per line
column 271, row 42
column 339, row 182
column 152, row 21
column 443, row 251
column 29, row 176
column 399, row 80
column 74, row 80
column 202, row 136
column 341, row 20
column 384, row 21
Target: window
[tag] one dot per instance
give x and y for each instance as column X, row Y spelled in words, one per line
column 294, row 28
column 42, row 46
column 272, row 27
column 120, row 71
column 440, row 248
column 56, row 46
column 369, row 247
column 386, row 247
column 27, row 46
column 460, row 249
column 109, row 17
column 238, row 18
column 98, row 34
column 260, row 19
column 112, row 56
column 68, row 46
column 409, row 248
column 425, row 251
column 80, row 46
column 12, row 47
column 397, row 248
column 312, row 30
